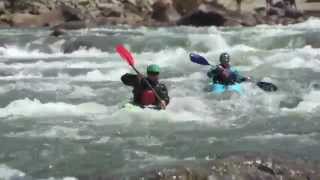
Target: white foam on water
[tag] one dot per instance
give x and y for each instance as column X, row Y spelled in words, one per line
column 96, row 75
column 145, row 141
column 297, row 62
column 102, row 140
column 164, row 58
column 92, row 76
column 87, row 53
column 125, row 116
column 115, row 30
column 272, row 136
column 186, row 108
column 132, row 155
column 56, row 46
column 240, row 110
column 69, row 178
column 63, row 178
column 34, row 108
column 53, row 132
column 311, row 23
column 14, row 52
column 264, row 31
column 81, row 92
column 43, row 87
column 23, row 75
column 197, row 76
column 62, row 65
column 243, row 48
column 214, row 42
column 303, row 139
column 306, row 57
column 190, row 109
column 7, row 173
column 6, row 88
column 38, row 65
column 310, row 103
column 147, row 31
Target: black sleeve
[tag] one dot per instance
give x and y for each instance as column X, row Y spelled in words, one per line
column 213, row 72
column 130, row 79
column 163, row 93
column 241, row 79
column 210, row 73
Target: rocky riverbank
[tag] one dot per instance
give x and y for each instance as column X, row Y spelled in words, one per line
column 237, row 167
column 74, row 14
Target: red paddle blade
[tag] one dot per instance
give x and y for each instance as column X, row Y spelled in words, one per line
column 125, row 54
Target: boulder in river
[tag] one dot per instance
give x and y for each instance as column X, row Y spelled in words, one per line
column 72, row 46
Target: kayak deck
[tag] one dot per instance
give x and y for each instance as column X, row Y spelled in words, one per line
column 221, row 88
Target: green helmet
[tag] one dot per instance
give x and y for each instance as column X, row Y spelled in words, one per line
column 153, row 68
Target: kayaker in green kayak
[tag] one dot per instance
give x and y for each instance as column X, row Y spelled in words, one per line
column 142, row 93
column 224, row 74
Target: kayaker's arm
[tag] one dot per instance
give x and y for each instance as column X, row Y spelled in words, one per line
column 238, row 77
column 213, row 73
column 130, row 79
column 163, row 93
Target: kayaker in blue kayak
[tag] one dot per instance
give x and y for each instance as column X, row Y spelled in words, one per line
column 142, row 94
column 224, row 74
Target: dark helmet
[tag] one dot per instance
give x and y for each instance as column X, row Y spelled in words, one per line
column 224, row 58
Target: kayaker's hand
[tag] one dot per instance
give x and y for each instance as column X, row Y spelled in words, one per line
column 140, row 76
column 163, row 104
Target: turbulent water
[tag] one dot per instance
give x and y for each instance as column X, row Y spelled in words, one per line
column 61, row 116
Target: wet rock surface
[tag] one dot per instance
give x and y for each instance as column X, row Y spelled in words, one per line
column 240, row 167
column 72, row 14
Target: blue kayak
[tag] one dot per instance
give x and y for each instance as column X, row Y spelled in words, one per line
column 221, row 88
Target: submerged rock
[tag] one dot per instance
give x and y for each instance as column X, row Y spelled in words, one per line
column 72, row 46
column 290, row 102
column 58, row 32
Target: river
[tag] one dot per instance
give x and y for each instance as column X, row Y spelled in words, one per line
column 61, row 115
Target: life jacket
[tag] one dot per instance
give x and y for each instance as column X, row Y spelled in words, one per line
column 148, row 98
column 225, row 74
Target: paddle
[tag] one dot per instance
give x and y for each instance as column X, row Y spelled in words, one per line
column 126, row 55
column 266, row 86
